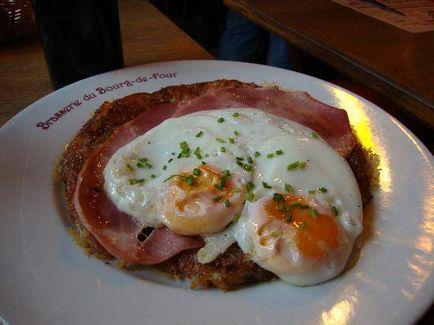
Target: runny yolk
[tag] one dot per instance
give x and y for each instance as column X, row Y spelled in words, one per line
column 315, row 233
column 210, row 184
column 200, row 201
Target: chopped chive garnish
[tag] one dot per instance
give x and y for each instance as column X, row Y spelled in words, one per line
column 171, row 176
column 247, row 167
column 279, row 152
column 278, row 197
column 270, row 155
column 239, row 158
column 153, row 176
column 236, row 114
column 323, row 189
column 250, row 160
column 140, row 164
column 170, row 160
column 289, row 188
column 250, row 196
column 129, row 167
column 227, row 203
column 185, row 150
column 134, row 181
column 196, row 172
column 257, row 154
column 335, row 211
column 223, row 149
column 223, row 179
column 244, row 166
column 199, row 134
column 185, row 153
column 240, row 163
column 250, row 187
column 173, row 153
column 236, row 190
column 220, row 140
column 285, row 207
column 203, row 163
column 164, row 167
column 313, row 213
column 197, row 153
column 298, row 205
column 265, row 185
column 281, row 207
column 236, row 132
column 143, row 163
column 314, row 135
column 220, row 120
column 302, row 225
column 189, row 179
column 231, row 140
column 275, row 233
column 217, row 198
column 311, row 191
column 293, row 165
column 293, row 205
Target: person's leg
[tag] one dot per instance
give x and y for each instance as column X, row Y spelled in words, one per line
column 279, row 53
column 240, row 39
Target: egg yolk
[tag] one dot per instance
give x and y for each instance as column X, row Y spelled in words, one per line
column 315, row 232
column 207, row 183
column 200, row 201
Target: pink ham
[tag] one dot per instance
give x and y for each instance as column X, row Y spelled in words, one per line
column 118, row 232
column 330, row 123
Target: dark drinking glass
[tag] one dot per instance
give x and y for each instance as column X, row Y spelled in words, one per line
column 81, row 38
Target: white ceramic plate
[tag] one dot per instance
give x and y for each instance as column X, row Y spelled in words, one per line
column 46, row 279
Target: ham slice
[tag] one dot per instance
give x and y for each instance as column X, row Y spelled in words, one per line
column 330, row 123
column 119, row 233
column 115, row 230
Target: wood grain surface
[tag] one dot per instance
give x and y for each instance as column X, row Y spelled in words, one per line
column 147, row 36
column 397, row 64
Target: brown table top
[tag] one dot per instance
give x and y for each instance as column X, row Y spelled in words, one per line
column 147, row 35
column 397, row 64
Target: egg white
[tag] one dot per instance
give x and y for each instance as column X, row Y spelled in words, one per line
column 161, row 146
column 273, row 143
column 324, row 169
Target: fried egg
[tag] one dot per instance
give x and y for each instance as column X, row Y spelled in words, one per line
column 288, row 199
column 182, row 174
column 306, row 211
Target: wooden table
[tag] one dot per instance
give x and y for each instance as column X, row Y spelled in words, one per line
column 147, row 35
column 397, row 64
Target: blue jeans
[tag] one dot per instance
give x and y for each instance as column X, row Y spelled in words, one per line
column 241, row 41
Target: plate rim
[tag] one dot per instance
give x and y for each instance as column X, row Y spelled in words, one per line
column 11, row 122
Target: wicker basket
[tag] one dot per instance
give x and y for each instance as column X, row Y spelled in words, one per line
column 16, row 17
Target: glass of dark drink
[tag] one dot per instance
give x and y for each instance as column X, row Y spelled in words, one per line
column 80, row 38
